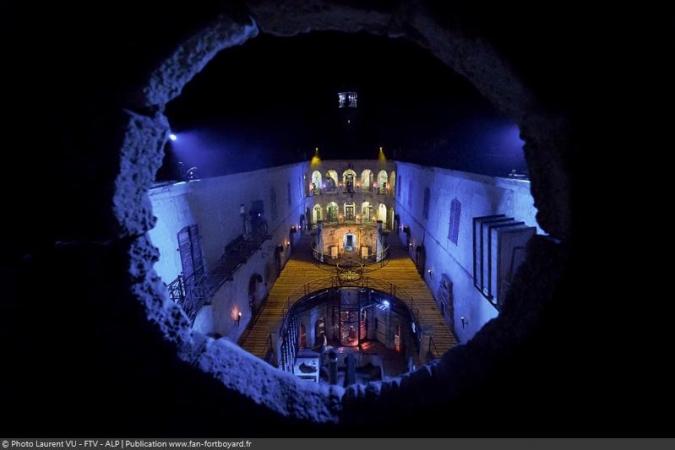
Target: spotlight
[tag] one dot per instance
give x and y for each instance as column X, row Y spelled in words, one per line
column 384, row 305
column 173, row 137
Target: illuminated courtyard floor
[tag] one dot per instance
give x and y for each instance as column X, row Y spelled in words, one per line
column 301, row 268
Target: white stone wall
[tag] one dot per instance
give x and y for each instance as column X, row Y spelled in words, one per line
column 213, row 203
column 479, row 196
column 174, row 211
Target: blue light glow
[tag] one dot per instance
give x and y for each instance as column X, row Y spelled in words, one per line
column 173, row 137
column 385, row 303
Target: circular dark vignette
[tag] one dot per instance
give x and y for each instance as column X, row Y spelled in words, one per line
column 462, row 368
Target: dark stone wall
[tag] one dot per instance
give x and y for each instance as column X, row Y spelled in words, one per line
column 86, row 92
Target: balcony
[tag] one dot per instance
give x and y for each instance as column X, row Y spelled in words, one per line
column 195, row 291
column 349, row 190
column 341, row 220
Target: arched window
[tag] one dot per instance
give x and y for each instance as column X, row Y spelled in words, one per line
column 332, row 212
column 349, row 180
column 317, row 214
column 453, row 227
column 365, row 211
column 425, row 203
column 366, row 179
column 350, row 211
column 331, row 180
column 382, row 213
column 316, row 181
column 382, row 180
column 288, row 192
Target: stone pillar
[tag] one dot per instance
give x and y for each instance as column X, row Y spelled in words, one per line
column 379, row 249
column 319, row 239
column 311, row 329
column 332, row 367
column 350, row 370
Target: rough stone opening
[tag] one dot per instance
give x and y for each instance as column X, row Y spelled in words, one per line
column 141, row 154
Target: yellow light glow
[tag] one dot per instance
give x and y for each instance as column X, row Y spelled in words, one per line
column 316, row 160
column 380, row 157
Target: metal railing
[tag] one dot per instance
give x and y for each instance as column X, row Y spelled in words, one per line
column 195, row 291
column 357, row 220
column 287, row 331
column 341, row 189
column 324, row 261
column 232, row 259
column 334, row 282
column 190, row 293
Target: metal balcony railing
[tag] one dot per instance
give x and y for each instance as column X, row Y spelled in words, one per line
column 195, row 291
column 294, row 300
column 190, row 293
column 352, row 263
column 341, row 189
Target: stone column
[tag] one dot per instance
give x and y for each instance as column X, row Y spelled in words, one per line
column 332, row 367
column 380, row 241
column 319, row 239
column 350, row 370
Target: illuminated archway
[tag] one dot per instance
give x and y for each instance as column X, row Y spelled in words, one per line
column 349, row 211
column 382, row 180
column 331, row 179
column 332, row 211
column 365, row 212
column 348, row 176
column 317, row 214
column 315, row 185
column 366, row 179
column 382, row 213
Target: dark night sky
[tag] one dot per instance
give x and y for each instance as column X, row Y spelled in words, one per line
column 272, row 100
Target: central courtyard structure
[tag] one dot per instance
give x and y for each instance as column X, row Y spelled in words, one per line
column 342, row 271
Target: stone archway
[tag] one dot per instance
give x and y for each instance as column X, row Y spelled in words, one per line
column 145, row 130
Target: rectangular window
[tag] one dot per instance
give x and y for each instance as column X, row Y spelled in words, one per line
column 425, row 204
column 288, row 192
column 189, row 247
column 453, row 226
column 499, row 244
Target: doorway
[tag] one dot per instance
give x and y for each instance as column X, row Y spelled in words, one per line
column 350, row 242
column 253, row 294
column 420, row 259
column 319, row 332
column 350, row 212
column 397, row 338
